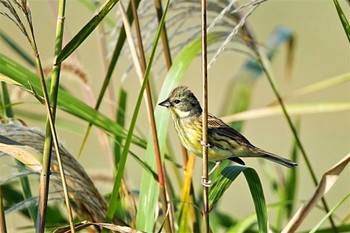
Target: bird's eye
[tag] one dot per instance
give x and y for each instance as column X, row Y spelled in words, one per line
column 177, row 101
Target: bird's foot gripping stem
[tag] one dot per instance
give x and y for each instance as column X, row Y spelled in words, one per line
column 206, row 182
column 203, row 144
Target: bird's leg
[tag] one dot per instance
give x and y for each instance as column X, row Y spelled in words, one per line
column 204, row 181
column 203, row 144
column 208, row 183
column 217, row 164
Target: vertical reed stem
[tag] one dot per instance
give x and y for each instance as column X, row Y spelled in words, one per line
column 205, row 117
column 150, row 110
column 2, row 215
column 51, row 135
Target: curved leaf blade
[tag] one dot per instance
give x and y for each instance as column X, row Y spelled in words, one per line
column 225, row 179
column 80, row 37
column 343, row 19
column 27, row 155
column 149, row 191
column 13, row 73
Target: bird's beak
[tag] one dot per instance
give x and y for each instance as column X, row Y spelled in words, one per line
column 165, row 103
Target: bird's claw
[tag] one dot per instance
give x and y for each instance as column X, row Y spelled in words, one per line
column 203, row 144
column 205, row 182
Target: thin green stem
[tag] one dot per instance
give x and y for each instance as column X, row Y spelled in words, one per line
column 168, row 61
column 265, row 66
column 2, row 215
column 112, row 205
column 164, row 36
column 53, row 98
column 150, row 110
column 51, row 135
column 343, row 18
column 116, row 53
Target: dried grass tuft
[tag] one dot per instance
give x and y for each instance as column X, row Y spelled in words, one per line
column 80, row 187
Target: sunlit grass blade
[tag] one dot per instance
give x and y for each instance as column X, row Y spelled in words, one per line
column 112, row 203
column 224, row 181
column 291, row 186
column 286, row 187
column 329, row 178
column 318, row 225
column 243, row 225
column 343, row 19
column 115, row 57
column 343, row 228
column 14, row 73
column 297, row 109
column 318, row 86
column 80, row 37
column 257, row 193
column 120, row 118
column 27, row 155
column 148, row 191
column 92, row 6
column 139, row 63
column 5, row 103
column 186, row 209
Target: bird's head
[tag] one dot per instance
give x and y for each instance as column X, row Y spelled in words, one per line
column 182, row 103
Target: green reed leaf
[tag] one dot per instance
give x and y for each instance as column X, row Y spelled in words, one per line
column 224, row 181
column 149, row 191
column 343, row 19
column 13, row 73
column 80, row 37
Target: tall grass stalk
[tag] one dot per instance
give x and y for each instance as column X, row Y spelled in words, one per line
column 164, row 34
column 51, row 135
column 169, row 62
column 3, row 227
column 205, row 177
column 103, row 12
column 265, row 66
column 50, row 130
column 85, row 31
column 140, row 67
column 116, row 186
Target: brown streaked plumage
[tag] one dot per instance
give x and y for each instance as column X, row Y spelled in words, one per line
column 224, row 141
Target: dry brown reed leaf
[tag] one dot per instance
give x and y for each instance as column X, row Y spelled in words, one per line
column 80, row 187
column 83, row 225
column 328, row 180
column 27, row 155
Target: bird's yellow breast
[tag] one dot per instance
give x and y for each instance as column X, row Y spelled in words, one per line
column 190, row 134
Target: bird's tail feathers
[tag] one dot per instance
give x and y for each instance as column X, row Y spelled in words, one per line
column 276, row 158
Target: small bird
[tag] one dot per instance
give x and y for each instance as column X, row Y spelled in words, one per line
column 223, row 141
